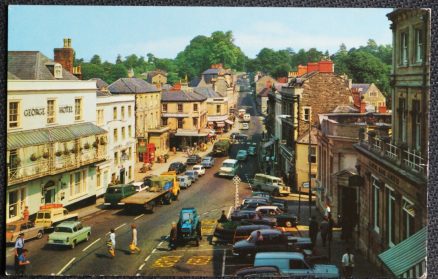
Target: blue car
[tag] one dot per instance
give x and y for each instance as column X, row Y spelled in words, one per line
column 252, row 150
column 242, row 155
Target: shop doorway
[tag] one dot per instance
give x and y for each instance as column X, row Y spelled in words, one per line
column 122, row 176
column 348, row 210
column 49, row 192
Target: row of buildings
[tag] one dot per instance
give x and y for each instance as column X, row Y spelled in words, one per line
column 68, row 138
column 367, row 165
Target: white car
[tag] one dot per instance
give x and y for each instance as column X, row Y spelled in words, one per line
column 208, row 162
column 139, row 186
column 200, row 169
column 184, row 181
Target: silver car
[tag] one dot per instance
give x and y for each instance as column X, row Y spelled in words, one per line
column 192, row 174
column 184, row 181
column 207, row 162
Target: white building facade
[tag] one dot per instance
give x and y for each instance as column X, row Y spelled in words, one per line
column 52, row 144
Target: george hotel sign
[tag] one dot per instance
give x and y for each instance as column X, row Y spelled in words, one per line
column 34, row 111
column 66, row 109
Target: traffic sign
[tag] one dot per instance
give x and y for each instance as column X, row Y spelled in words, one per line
column 236, row 179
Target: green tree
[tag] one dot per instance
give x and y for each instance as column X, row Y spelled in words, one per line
column 116, row 72
column 90, row 70
column 119, row 59
column 96, row 60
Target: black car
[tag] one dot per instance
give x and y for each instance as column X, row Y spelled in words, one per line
column 249, row 216
column 178, row 167
column 272, row 241
column 193, row 160
column 258, row 272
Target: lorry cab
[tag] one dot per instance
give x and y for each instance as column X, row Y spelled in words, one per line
column 271, row 184
column 176, row 186
column 115, row 193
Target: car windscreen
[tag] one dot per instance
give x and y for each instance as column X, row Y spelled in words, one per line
column 228, row 165
column 63, row 229
column 114, row 190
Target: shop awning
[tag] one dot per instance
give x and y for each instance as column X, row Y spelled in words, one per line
column 220, row 124
column 229, row 121
column 217, row 118
column 55, row 134
column 405, row 255
column 190, row 133
column 176, row 115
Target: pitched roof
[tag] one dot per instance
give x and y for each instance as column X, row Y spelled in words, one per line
column 345, row 108
column 304, row 138
column 181, row 96
column 166, row 86
column 131, row 85
column 100, row 83
column 33, row 65
column 208, row 92
column 194, row 82
column 363, row 87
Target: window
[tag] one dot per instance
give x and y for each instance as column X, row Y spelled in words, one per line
column 164, row 121
column 180, row 123
column 418, row 45
column 373, row 94
column 77, row 183
column 195, row 107
column 123, row 133
column 313, row 154
column 408, row 218
column 116, row 158
column 129, row 131
column 297, row 264
column 115, row 135
column 78, row 109
column 180, row 107
column 14, row 112
column 14, row 163
column 218, row 108
column 306, row 114
column 129, row 111
column 376, row 204
column 164, row 107
column 100, row 119
column 404, row 48
column 122, row 112
column 195, row 122
column 130, row 172
column 114, row 113
column 129, row 153
column 390, row 216
column 416, row 124
column 402, row 115
column 50, row 111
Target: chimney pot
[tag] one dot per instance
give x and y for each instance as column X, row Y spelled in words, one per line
column 65, row 43
column 69, row 42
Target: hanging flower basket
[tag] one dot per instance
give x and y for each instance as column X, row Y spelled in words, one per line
column 95, row 144
column 46, row 155
column 66, row 152
column 74, row 150
column 87, row 145
column 15, row 163
column 33, row 157
column 102, row 141
column 58, row 153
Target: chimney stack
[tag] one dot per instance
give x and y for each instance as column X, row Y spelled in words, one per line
column 64, row 56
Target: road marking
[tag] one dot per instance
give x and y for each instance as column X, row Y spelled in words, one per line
column 199, row 260
column 141, row 267
column 147, row 258
column 65, row 266
column 166, row 261
column 159, row 244
column 229, row 212
column 139, row 216
column 153, row 251
column 90, row 244
column 120, row 226
column 223, row 263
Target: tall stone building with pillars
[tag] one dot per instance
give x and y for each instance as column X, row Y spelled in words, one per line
column 394, row 167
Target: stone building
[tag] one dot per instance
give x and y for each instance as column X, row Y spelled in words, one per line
column 370, row 95
column 394, row 167
column 264, row 82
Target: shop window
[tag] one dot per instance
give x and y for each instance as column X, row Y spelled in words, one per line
column 408, row 218
column 404, row 48
column 376, row 204
column 418, row 45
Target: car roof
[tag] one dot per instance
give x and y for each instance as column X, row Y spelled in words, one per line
column 280, row 255
column 183, row 176
column 267, row 207
column 230, row 161
column 137, row 183
column 207, row 158
column 250, row 227
column 268, row 231
column 198, row 166
column 68, row 224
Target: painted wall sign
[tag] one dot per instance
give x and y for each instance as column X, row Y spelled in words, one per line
column 35, row 111
column 66, row 109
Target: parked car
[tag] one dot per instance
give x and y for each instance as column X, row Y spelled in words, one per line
column 243, row 232
column 242, row 137
column 184, row 181
column 193, row 160
column 283, row 218
column 208, row 162
column 200, row 169
column 193, row 175
column 272, row 241
column 69, row 233
column 115, row 193
column 250, row 217
column 234, row 136
column 258, row 272
column 256, row 194
column 140, row 186
column 252, row 150
column 29, row 229
column 295, row 264
column 178, row 167
column 241, row 155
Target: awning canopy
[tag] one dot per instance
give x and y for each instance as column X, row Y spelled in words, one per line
column 176, row 115
column 217, row 118
column 407, row 254
column 190, row 133
column 229, row 121
column 220, row 124
column 54, row 134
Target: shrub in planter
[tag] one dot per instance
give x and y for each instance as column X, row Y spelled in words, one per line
column 66, row 152
column 95, row 144
column 46, row 155
column 33, row 157
column 102, row 141
column 74, row 150
column 58, row 153
column 15, row 162
column 87, row 145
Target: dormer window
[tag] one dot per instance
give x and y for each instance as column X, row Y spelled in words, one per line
column 57, row 71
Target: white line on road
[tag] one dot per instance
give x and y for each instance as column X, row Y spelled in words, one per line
column 153, row 251
column 141, row 267
column 120, row 226
column 147, row 258
column 159, row 244
column 223, row 263
column 85, row 249
column 65, row 266
column 139, row 216
column 229, row 212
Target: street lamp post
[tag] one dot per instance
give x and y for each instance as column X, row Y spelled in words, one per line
column 310, row 169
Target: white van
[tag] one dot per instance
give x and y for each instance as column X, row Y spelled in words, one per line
column 271, row 184
column 246, row 117
column 229, row 167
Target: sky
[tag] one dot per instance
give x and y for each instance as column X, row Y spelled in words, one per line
column 165, row 31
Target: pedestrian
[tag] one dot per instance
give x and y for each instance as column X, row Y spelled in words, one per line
column 223, row 218
column 19, row 246
column 26, row 213
column 133, row 247
column 348, row 264
column 331, row 224
column 112, row 243
column 22, row 262
column 323, row 227
column 173, row 237
column 313, row 230
column 259, row 236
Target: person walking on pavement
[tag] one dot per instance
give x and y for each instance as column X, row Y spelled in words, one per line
column 223, row 218
column 19, row 246
column 323, row 227
column 112, row 243
column 22, row 262
column 313, row 230
column 133, row 247
column 331, row 224
column 173, row 237
column 348, row 264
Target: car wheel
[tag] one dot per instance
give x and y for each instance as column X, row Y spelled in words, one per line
column 39, row 234
column 288, row 224
column 88, row 237
column 73, row 244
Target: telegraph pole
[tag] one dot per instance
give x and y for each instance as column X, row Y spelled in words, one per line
column 310, row 169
